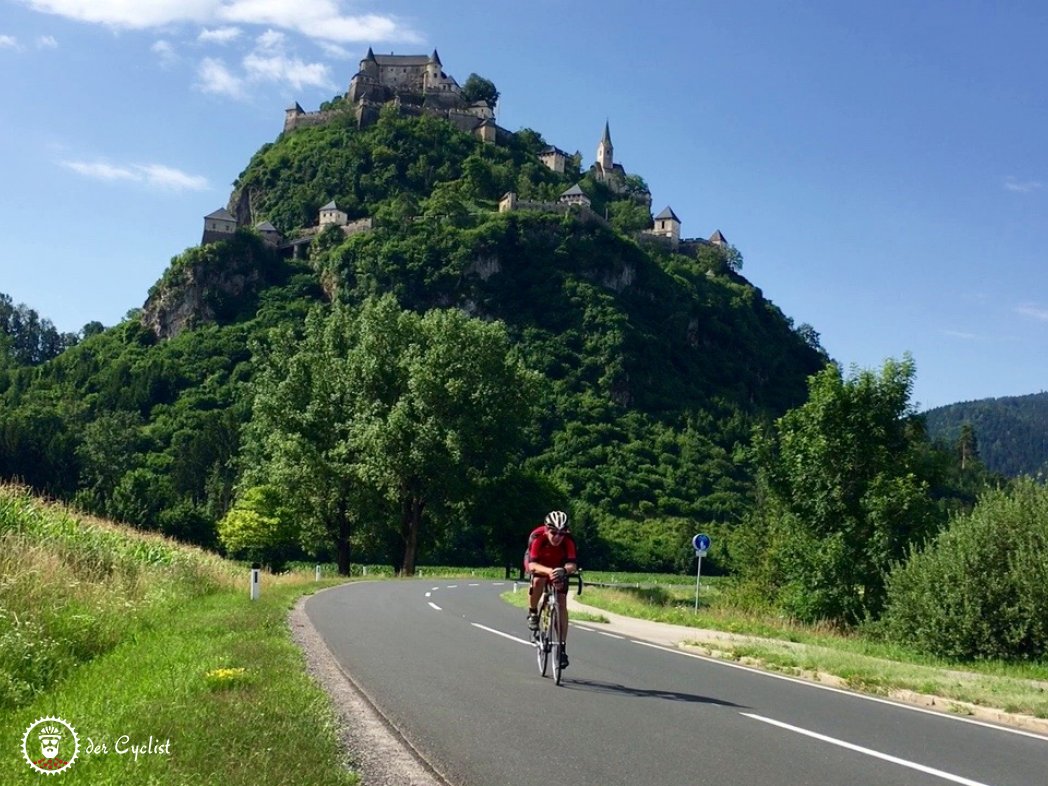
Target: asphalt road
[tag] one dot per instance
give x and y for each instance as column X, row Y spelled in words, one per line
column 449, row 665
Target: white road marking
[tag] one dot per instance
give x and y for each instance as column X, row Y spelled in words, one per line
column 500, row 633
column 428, row 594
column 435, row 589
column 609, row 635
column 498, row 584
column 867, row 751
column 472, row 585
column 830, row 688
column 452, row 586
column 435, row 606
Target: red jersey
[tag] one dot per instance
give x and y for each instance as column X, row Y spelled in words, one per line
column 540, row 550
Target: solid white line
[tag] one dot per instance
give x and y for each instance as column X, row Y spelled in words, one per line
column 864, row 697
column 876, row 754
column 435, row 606
column 500, row 633
column 609, row 635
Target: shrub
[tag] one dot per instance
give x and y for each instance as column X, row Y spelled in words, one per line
column 980, row 589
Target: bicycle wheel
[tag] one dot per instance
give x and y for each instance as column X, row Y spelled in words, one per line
column 541, row 641
column 554, row 638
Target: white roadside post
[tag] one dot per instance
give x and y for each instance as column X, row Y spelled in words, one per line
column 318, row 573
column 701, row 544
column 256, row 585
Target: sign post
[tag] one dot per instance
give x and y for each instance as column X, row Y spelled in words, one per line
column 701, row 544
column 256, row 585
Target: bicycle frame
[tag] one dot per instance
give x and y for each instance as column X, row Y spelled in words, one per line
column 547, row 639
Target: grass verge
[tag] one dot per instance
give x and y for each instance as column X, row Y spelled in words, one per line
column 218, row 678
column 519, row 598
column 857, row 661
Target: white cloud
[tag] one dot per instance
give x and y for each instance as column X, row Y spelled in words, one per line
column 153, row 175
column 46, row 42
column 170, row 178
column 1018, row 186
column 220, row 35
column 9, row 42
column 214, row 77
column 165, row 51
column 1035, row 312
column 334, row 50
column 100, row 171
column 129, row 13
column 271, row 41
column 320, row 19
column 278, row 68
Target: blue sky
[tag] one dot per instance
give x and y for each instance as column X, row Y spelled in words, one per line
column 883, row 168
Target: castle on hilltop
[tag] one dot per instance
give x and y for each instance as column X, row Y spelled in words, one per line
column 417, row 85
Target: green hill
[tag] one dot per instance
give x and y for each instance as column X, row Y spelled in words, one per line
column 656, row 364
column 1011, row 432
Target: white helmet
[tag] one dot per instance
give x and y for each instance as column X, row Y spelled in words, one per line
column 557, row 520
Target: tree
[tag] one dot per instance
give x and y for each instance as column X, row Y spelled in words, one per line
column 383, row 417
column 259, row 527
column 297, row 438
column 439, row 403
column 843, row 494
column 477, row 88
column 967, row 446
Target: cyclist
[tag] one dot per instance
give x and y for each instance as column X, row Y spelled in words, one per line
column 551, row 556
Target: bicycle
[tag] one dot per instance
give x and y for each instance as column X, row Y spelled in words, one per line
column 547, row 638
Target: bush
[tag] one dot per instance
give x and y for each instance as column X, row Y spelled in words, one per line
column 979, row 590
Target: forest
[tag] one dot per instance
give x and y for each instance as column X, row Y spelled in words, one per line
column 424, row 392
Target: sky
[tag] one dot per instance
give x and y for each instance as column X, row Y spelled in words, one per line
column 882, row 167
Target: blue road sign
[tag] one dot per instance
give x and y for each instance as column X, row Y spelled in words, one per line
column 701, row 542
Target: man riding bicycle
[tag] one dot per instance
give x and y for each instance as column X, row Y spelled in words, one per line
column 551, row 557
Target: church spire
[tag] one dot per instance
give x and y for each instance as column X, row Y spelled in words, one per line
column 605, row 151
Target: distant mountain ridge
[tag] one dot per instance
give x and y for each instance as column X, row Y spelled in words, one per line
column 1012, row 432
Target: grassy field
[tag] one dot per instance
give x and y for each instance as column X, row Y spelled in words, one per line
column 128, row 636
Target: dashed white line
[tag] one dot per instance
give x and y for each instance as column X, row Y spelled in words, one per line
column 472, row 585
column 452, row 586
column 500, row 633
column 609, row 635
column 435, row 606
column 867, row 751
column 428, row 594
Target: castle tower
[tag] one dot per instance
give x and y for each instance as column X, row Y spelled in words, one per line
column 605, row 152
column 667, row 225
column 432, row 75
column 219, row 225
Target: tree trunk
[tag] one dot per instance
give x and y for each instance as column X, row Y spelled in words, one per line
column 411, row 524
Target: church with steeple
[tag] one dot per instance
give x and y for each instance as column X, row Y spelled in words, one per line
column 604, row 169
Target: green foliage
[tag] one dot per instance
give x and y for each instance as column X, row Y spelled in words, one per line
column 26, row 338
column 1011, row 432
column 843, row 494
column 259, row 528
column 477, row 88
column 980, row 589
column 389, row 413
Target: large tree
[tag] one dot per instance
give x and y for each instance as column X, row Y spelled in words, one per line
column 440, row 403
column 843, row 494
column 385, row 416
